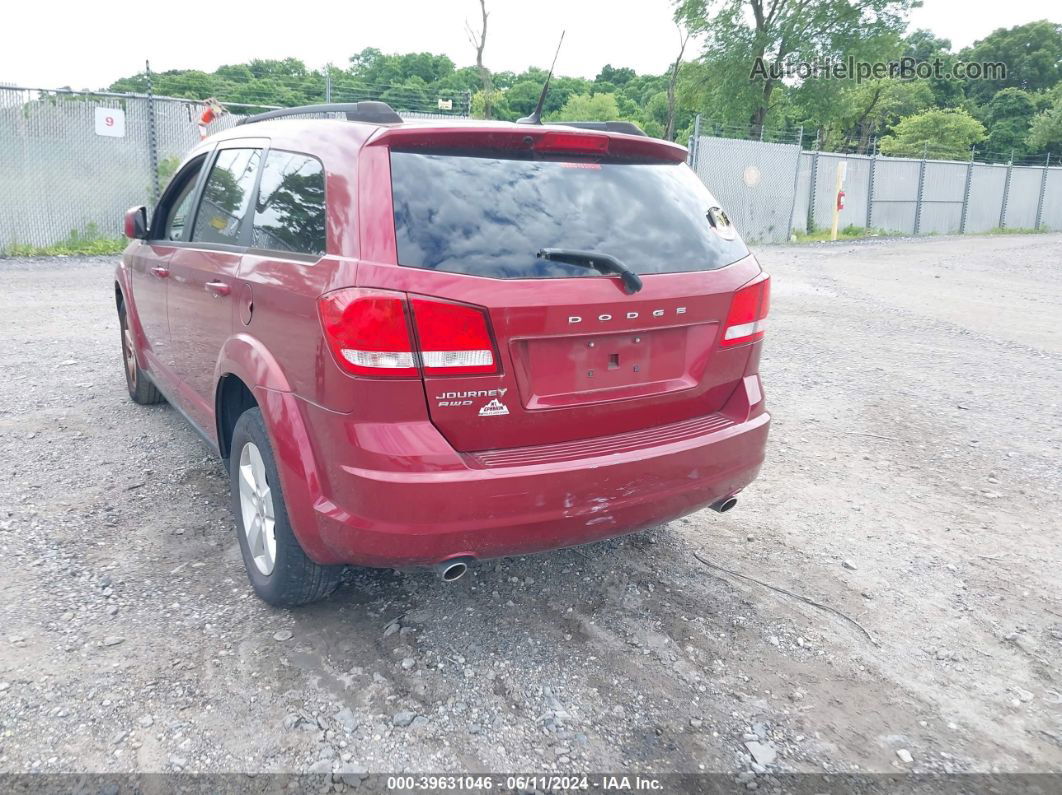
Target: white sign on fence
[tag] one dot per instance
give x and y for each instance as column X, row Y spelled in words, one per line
column 110, row 122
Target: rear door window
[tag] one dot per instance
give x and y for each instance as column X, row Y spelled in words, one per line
column 227, row 197
column 489, row 216
column 290, row 213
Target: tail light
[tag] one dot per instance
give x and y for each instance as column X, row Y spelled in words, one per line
column 454, row 338
column 369, row 334
column 748, row 311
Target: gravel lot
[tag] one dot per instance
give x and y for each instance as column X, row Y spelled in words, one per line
column 912, row 484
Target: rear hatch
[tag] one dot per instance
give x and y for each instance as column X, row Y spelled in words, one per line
column 573, row 354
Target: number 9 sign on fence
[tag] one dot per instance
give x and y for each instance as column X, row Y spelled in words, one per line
column 110, row 122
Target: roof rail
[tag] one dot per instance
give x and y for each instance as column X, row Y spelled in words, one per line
column 368, row 111
column 628, row 127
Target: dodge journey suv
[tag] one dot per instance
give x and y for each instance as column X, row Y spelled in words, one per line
column 425, row 343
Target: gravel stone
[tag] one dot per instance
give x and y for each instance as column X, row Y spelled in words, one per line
column 762, row 753
column 403, row 718
column 593, row 657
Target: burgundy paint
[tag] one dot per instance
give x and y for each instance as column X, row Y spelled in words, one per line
column 373, row 471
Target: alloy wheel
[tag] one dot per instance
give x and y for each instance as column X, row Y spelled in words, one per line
column 256, row 508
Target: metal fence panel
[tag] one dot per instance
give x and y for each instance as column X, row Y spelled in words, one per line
column 754, row 182
column 1051, row 214
column 986, row 196
column 855, row 206
column 1023, row 196
column 896, row 194
column 944, row 186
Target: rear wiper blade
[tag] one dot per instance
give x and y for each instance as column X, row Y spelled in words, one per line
column 602, row 263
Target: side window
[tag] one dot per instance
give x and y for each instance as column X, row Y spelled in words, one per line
column 226, row 196
column 177, row 204
column 290, row 213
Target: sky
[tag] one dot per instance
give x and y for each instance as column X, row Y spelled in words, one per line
column 90, row 44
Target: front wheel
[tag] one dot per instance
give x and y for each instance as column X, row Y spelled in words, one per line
column 279, row 571
column 141, row 390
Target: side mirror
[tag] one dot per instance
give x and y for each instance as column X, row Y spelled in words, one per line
column 136, row 223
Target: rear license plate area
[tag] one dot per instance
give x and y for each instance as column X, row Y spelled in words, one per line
column 573, row 370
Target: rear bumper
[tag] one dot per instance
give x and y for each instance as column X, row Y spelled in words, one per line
column 438, row 504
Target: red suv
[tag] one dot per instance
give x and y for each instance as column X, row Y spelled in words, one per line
column 423, row 343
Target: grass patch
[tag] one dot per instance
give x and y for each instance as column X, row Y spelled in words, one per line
column 847, row 233
column 79, row 243
column 858, row 232
column 1015, row 230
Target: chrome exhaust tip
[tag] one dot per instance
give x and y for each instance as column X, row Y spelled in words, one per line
column 451, row 570
column 724, row 505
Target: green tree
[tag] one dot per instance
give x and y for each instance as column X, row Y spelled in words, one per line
column 1008, row 117
column 642, row 87
column 617, row 77
column 412, row 94
column 561, row 88
column 523, row 96
column 586, row 107
column 1031, row 52
column 852, row 115
column 743, row 39
column 495, row 104
column 944, row 134
column 1045, row 132
column 459, row 81
column 925, row 47
column 656, row 109
column 189, row 83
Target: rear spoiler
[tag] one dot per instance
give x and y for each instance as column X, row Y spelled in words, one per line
column 556, row 138
column 628, row 127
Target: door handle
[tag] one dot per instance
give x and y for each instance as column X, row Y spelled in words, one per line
column 161, row 272
column 218, row 288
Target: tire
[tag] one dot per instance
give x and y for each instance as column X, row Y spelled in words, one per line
column 141, row 389
column 280, row 572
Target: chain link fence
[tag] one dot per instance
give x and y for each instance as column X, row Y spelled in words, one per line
column 71, row 162
column 756, row 181
column 771, row 188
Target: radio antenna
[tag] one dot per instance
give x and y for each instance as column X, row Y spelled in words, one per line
column 536, row 116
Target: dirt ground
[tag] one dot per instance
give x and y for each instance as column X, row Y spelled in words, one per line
column 911, row 484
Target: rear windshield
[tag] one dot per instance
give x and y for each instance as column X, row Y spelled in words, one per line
column 489, row 216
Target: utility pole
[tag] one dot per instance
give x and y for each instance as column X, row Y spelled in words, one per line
column 328, row 83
